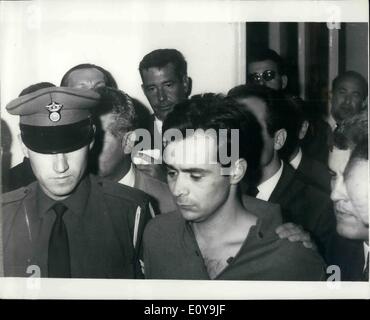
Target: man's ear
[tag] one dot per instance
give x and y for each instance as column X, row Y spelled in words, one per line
column 303, row 130
column 238, row 171
column 279, row 139
column 187, row 83
column 128, row 142
column 284, row 81
column 23, row 146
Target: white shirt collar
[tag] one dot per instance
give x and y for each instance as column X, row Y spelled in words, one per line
column 129, row 178
column 366, row 253
column 159, row 124
column 295, row 162
column 267, row 187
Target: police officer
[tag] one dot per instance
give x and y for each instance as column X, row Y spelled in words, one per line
column 68, row 223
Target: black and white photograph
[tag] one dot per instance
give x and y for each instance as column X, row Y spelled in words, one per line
column 184, row 150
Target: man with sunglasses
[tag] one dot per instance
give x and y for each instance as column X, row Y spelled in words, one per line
column 266, row 68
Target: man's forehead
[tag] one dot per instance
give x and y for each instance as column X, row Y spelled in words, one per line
column 358, row 168
column 84, row 75
column 167, row 69
column 338, row 159
column 349, row 83
column 255, row 105
column 263, row 65
column 92, row 72
column 197, row 149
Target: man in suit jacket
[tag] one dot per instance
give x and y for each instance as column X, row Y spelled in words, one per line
column 267, row 68
column 296, row 123
column 301, row 202
column 119, row 124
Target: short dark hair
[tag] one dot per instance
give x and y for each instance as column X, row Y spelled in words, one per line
column 161, row 57
column 361, row 151
column 212, row 111
column 268, row 54
column 353, row 75
column 35, row 87
column 277, row 110
column 294, row 118
column 109, row 80
column 128, row 114
column 351, row 131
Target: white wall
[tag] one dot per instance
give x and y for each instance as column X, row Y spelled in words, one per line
column 40, row 43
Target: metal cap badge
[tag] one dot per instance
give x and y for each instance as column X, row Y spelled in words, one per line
column 54, row 109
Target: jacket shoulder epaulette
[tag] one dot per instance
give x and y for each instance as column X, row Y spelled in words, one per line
column 125, row 192
column 14, row 196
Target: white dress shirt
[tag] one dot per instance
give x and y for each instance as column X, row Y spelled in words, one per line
column 295, row 162
column 266, row 188
column 366, row 253
column 129, row 178
column 159, row 124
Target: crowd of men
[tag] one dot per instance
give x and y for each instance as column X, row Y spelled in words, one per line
column 108, row 190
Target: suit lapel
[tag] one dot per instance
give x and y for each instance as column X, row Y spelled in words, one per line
column 282, row 188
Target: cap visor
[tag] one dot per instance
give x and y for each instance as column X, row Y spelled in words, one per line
column 57, row 139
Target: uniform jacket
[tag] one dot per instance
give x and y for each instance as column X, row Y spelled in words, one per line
column 105, row 239
column 171, row 251
column 306, row 206
column 19, row 176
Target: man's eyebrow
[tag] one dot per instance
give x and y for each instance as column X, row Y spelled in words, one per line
column 195, row 170
column 188, row 170
column 168, row 166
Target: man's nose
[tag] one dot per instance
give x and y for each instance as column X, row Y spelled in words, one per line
column 260, row 81
column 161, row 94
column 60, row 163
column 338, row 191
column 179, row 187
column 348, row 99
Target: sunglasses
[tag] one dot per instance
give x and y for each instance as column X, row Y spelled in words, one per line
column 267, row 75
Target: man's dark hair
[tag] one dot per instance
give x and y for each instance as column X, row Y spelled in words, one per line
column 268, row 54
column 361, row 151
column 35, row 87
column 351, row 131
column 277, row 111
column 161, row 57
column 353, row 75
column 295, row 116
column 211, row 111
column 128, row 113
column 108, row 78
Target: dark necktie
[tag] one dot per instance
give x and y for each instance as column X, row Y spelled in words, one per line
column 59, row 265
column 366, row 270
